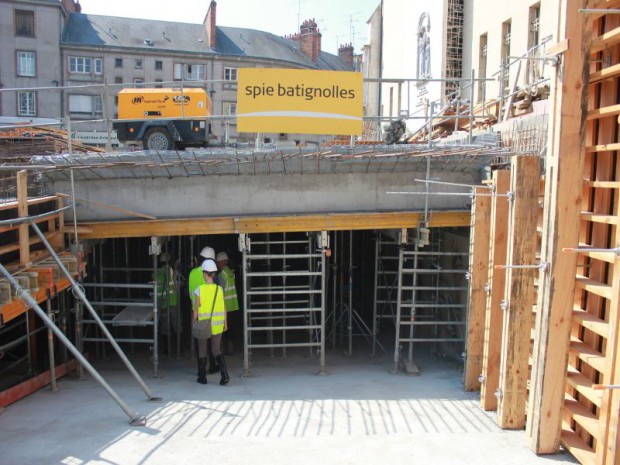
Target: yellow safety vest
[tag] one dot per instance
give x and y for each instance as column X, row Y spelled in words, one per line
column 207, row 293
column 227, row 280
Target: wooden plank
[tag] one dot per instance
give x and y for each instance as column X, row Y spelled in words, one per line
column 604, row 112
column 22, row 212
column 587, row 354
column 606, row 40
column 599, row 218
column 496, row 279
column 290, row 223
column 583, row 386
column 33, row 240
column 602, row 148
column 590, row 322
column 15, row 393
column 519, row 292
column 110, row 207
column 478, row 275
column 577, row 447
column 605, row 73
column 563, row 178
column 604, row 184
column 590, row 285
column 33, row 201
column 582, row 415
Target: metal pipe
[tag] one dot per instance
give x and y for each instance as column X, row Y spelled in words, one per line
column 50, row 344
column 398, row 305
column 246, row 337
column 323, row 303
column 136, row 418
column 350, row 316
column 375, row 297
column 80, row 294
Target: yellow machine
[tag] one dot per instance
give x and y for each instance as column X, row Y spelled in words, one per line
column 163, row 119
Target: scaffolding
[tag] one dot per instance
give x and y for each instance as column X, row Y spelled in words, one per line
column 454, row 47
column 429, row 309
column 284, row 283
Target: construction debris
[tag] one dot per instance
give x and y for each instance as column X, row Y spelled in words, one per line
column 24, row 142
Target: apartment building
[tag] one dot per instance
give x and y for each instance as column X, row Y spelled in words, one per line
column 508, row 46
column 92, row 57
column 420, row 44
column 30, row 57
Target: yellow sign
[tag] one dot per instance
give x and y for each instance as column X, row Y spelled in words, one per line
column 299, row 101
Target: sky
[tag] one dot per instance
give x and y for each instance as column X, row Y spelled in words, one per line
column 340, row 21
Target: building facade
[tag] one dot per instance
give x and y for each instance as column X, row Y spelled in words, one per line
column 30, row 58
column 416, row 48
column 92, row 57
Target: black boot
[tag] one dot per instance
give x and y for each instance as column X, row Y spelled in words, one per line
column 213, row 368
column 223, row 370
column 202, row 371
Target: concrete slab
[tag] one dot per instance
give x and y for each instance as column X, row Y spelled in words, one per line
column 283, row 414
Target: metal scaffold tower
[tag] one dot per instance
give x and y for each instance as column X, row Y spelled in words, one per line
column 429, row 308
column 284, row 283
column 386, row 285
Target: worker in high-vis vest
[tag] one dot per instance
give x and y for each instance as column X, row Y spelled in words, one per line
column 227, row 281
column 194, row 280
column 209, row 305
column 167, row 295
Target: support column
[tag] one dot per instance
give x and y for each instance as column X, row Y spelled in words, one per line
column 563, row 179
column 22, row 212
column 478, row 275
column 495, row 285
column 519, row 292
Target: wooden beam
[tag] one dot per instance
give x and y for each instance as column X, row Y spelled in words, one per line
column 519, row 292
column 478, row 275
column 263, row 224
column 496, row 277
column 22, row 212
column 564, row 176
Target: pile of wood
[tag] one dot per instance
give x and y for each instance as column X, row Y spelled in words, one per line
column 24, row 142
column 346, row 140
column 445, row 124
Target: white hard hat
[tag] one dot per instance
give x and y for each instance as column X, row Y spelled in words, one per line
column 221, row 256
column 209, row 266
column 208, row 252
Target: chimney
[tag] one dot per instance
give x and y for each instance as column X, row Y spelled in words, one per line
column 309, row 39
column 209, row 23
column 345, row 52
column 72, row 6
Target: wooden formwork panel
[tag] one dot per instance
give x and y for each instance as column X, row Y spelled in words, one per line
column 590, row 426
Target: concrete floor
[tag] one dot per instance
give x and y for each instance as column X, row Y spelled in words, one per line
column 283, row 414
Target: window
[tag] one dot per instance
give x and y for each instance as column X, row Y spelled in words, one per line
column 118, row 80
column 98, row 104
column 85, row 65
column 27, row 103
column 118, row 62
column 26, row 64
column 424, row 46
column 138, row 81
column 138, row 64
column 24, row 23
column 159, row 65
column 534, row 26
column 189, row 72
column 482, row 65
column 158, row 83
column 505, row 53
column 81, row 104
column 229, row 109
column 230, row 74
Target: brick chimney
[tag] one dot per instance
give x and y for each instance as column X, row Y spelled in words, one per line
column 309, row 39
column 72, row 6
column 345, row 52
column 210, row 23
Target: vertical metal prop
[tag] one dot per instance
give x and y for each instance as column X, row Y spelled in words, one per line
column 398, row 304
column 80, row 294
column 350, row 314
column 50, row 343
column 136, row 418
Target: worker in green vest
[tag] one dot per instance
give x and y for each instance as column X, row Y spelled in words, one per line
column 194, row 280
column 227, row 281
column 167, row 294
column 209, row 304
